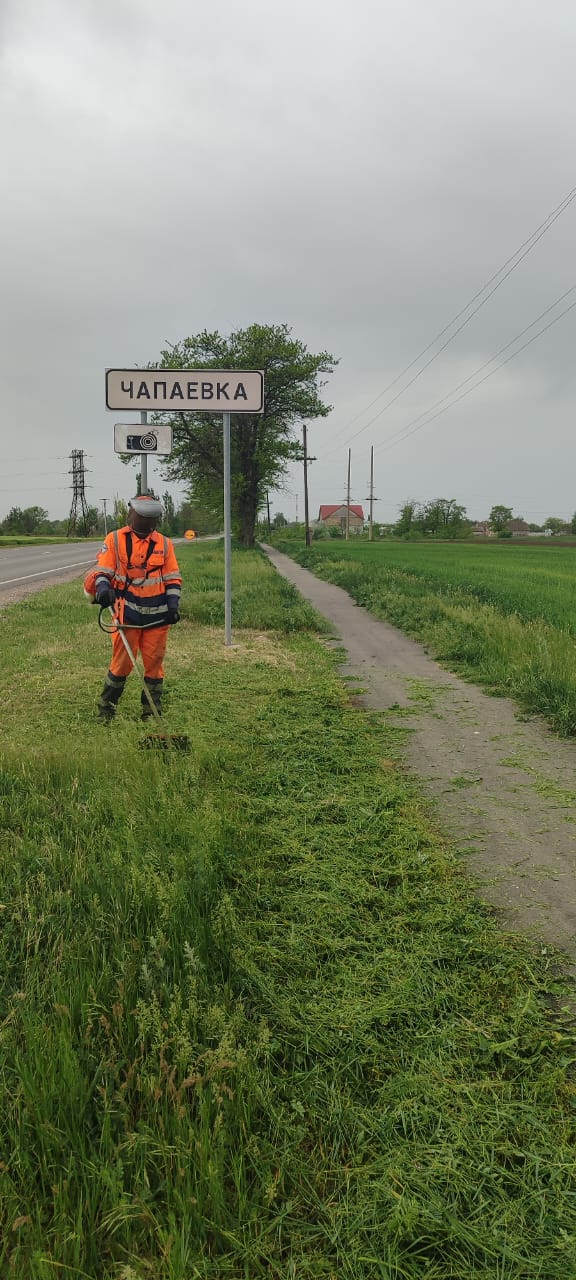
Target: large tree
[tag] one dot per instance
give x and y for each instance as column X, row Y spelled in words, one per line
column 556, row 524
column 499, row 517
column 29, row 521
column 410, row 514
column 262, row 445
column 444, row 517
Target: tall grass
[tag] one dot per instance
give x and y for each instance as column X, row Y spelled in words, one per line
column 253, row 1023
column 502, row 616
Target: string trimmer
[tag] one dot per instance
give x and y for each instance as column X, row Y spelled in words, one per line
column 162, row 741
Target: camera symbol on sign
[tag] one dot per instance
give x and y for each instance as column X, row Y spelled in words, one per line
column 146, row 443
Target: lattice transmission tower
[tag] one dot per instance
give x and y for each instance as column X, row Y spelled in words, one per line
column 79, row 507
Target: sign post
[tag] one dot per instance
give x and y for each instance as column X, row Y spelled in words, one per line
column 144, row 458
column 227, row 536
column 224, row 391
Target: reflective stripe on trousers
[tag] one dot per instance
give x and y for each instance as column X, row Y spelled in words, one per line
column 150, row 644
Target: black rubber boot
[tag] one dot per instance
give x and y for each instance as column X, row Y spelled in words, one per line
column 155, row 689
column 110, row 696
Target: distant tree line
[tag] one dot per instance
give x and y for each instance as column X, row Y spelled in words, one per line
column 443, row 517
column 447, row 518
column 34, row 521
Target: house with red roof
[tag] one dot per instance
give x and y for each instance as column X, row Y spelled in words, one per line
column 335, row 514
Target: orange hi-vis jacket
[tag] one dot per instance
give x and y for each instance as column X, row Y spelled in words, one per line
column 145, row 575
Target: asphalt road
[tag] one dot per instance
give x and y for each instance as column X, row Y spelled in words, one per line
column 24, row 570
column 22, row 567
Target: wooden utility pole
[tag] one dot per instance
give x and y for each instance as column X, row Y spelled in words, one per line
column 371, row 499
column 268, row 513
column 306, row 520
column 370, row 530
column 348, row 498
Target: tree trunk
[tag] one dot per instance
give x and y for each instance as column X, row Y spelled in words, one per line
column 248, row 514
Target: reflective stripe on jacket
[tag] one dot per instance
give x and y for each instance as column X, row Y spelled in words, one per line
column 144, row 573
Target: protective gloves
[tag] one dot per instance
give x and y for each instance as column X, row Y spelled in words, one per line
column 106, row 596
column 173, row 617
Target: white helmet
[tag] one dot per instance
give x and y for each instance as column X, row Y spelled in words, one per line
column 145, row 505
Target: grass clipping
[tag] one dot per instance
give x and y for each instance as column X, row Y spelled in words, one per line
column 253, row 1023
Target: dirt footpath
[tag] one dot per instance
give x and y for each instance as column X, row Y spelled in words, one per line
column 505, row 788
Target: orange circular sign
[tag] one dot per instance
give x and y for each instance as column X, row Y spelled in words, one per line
column 190, row 533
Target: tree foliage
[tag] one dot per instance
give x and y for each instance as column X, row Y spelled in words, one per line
column 556, row 524
column 499, row 517
column 120, row 512
column 27, row 520
column 262, row 445
column 443, row 517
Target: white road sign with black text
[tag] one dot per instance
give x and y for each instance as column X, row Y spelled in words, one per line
column 186, row 390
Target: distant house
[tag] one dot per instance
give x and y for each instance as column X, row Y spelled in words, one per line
column 518, row 528
column 335, row 516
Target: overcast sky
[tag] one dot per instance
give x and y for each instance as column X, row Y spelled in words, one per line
column 357, row 171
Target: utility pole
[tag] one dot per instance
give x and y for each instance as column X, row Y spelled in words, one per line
column 370, row 530
column 268, row 512
column 143, row 458
column 371, row 499
column 104, row 501
column 306, row 520
column 348, row 498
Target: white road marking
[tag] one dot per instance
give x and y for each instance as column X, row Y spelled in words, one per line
column 8, row 582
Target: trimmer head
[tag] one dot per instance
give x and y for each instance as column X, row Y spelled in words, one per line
column 165, row 742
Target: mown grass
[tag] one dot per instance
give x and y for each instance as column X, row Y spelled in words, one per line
column 502, row 616
column 253, row 1022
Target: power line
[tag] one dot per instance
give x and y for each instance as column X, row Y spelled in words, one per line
column 397, row 440
column 480, row 369
column 524, row 249
column 14, row 475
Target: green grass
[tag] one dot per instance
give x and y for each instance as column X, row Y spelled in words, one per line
column 501, row 615
column 253, row 1022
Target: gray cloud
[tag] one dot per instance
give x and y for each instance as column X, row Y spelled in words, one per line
column 359, row 178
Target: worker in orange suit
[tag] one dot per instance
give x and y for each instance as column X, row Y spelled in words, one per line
column 137, row 575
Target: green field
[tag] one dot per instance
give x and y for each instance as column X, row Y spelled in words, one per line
column 502, row 615
column 253, row 1022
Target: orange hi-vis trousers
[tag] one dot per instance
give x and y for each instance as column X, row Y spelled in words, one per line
column 149, row 642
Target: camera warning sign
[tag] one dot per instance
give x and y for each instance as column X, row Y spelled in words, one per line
column 186, row 390
column 148, row 439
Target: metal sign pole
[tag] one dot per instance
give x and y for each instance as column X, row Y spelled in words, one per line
column 143, row 458
column 227, row 536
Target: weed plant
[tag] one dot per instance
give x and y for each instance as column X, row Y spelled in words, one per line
column 253, row 1022
column 500, row 615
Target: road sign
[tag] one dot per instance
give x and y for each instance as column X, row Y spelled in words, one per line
column 186, row 390
column 143, row 438
column 190, row 534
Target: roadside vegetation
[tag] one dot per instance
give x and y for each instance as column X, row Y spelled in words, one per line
column 254, row 1023
column 501, row 615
